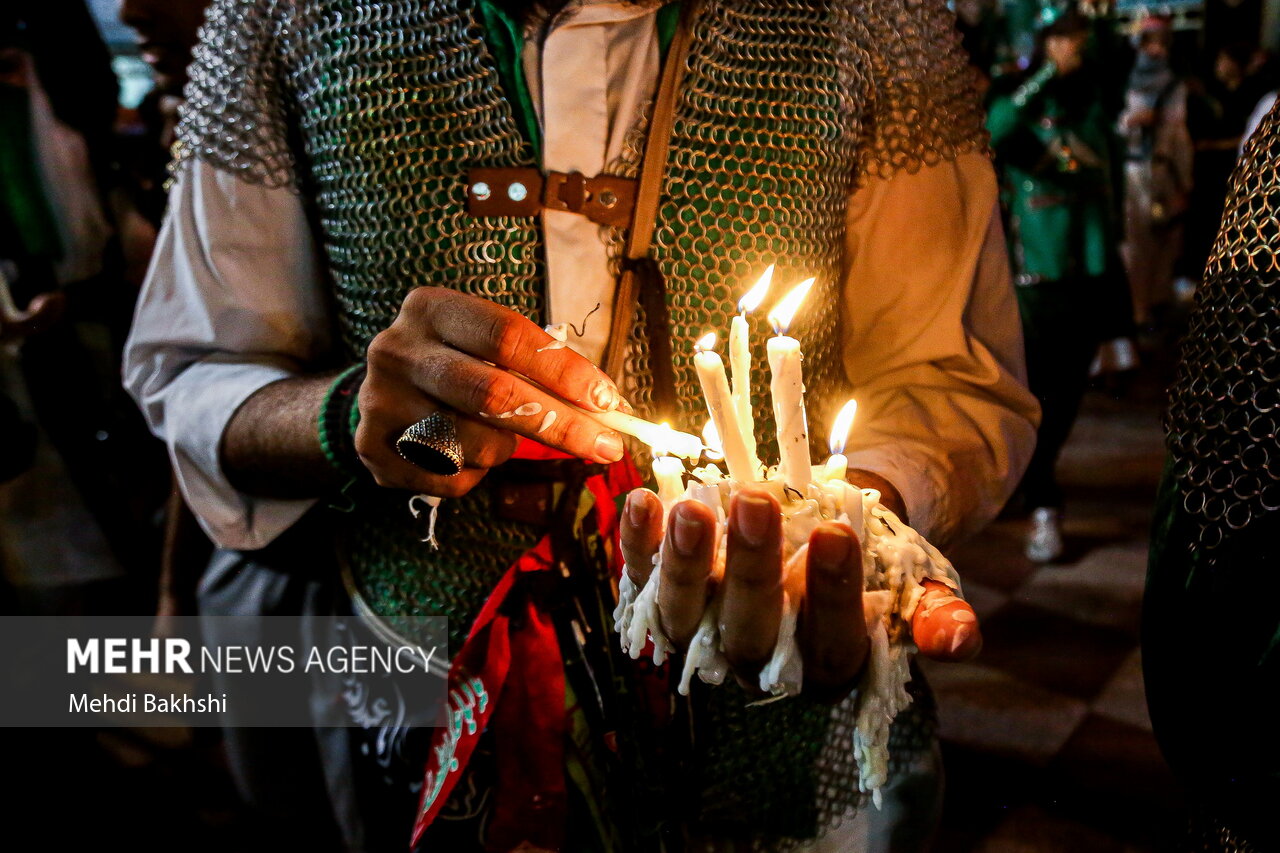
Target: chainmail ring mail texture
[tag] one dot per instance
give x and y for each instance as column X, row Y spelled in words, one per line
column 375, row 111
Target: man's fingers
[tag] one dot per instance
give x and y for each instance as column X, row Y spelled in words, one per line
column 641, row 534
column 832, row 630
column 493, row 333
column 945, row 627
column 507, row 401
column 686, row 566
column 752, row 604
column 386, row 413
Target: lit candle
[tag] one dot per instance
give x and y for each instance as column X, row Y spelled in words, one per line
column 713, row 448
column 680, row 444
column 838, row 464
column 669, row 471
column 740, row 361
column 715, row 388
column 786, row 386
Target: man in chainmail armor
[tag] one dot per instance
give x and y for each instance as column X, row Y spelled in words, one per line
column 335, row 278
column 1210, row 642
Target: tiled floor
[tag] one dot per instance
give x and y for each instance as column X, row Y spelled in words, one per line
column 1046, row 736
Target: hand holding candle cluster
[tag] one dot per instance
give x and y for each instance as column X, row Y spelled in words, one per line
column 786, row 577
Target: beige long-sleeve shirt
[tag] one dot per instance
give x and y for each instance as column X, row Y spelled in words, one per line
column 235, row 299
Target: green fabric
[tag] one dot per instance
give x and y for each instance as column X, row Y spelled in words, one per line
column 506, row 45
column 24, row 207
column 1211, row 658
column 668, row 20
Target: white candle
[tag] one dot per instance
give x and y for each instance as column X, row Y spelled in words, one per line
column 838, row 464
column 740, row 361
column 669, row 472
column 680, row 444
column 786, row 387
column 713, row 448
column 715, row 388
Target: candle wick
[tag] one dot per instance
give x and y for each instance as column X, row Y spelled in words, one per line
column 788, row 490
column 584, row 322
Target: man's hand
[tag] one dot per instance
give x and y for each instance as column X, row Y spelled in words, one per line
column 44, row 311
column 481, row 361
column 832, row 630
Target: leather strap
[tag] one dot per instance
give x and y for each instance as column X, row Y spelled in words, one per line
column 524, row 191
column 645, row 214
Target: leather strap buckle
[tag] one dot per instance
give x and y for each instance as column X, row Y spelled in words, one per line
column 604, row 199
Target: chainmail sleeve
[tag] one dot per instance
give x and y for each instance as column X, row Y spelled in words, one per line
column 1224, row 410
column 924, row 102
column 235, row 115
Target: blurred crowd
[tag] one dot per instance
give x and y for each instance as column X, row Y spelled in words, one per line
column 1115, row 138
column 83, row 505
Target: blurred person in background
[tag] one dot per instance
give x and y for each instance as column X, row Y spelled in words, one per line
column 167, row 31
column 1157, row 170
column 58, row 234
column 1218, row 108
column 1052, row 134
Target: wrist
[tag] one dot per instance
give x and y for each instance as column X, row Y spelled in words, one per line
column 889, row 494
column 337, row 421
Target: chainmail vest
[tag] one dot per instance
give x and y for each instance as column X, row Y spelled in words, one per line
column 1225, row 402
column 375, row 111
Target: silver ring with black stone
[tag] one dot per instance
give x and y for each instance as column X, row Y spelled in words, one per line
column 432, row 445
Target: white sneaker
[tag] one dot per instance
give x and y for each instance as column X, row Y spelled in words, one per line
column 1044, row 539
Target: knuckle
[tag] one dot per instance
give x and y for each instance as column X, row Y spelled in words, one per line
column 507, row 335
column 571, row 431
column 490, row 391
column 419, row 300
column 384, row 351
column 746, row 651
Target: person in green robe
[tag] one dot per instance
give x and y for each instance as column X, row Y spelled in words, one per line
column 1052, row 134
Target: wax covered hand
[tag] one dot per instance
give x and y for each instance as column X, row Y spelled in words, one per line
column 832, row 631
column 500, row 374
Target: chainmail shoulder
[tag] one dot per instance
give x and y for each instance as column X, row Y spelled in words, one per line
column 234, row 116
column 1224, row 410
column 925, row 107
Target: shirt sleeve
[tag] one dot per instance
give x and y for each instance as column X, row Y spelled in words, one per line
column 232, row 302
column 933, row 345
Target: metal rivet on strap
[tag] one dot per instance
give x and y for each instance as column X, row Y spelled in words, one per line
column 517, row 191
column 607, row 198
column 480, row 190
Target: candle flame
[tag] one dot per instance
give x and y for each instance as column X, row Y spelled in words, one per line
column 706, row 343
column 785, row 311
column 840, row 429
column 752, row 298
column 662, row 440
column 711, row 438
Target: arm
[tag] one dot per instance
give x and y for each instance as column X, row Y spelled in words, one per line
column 233, row 304
column 933, row 345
